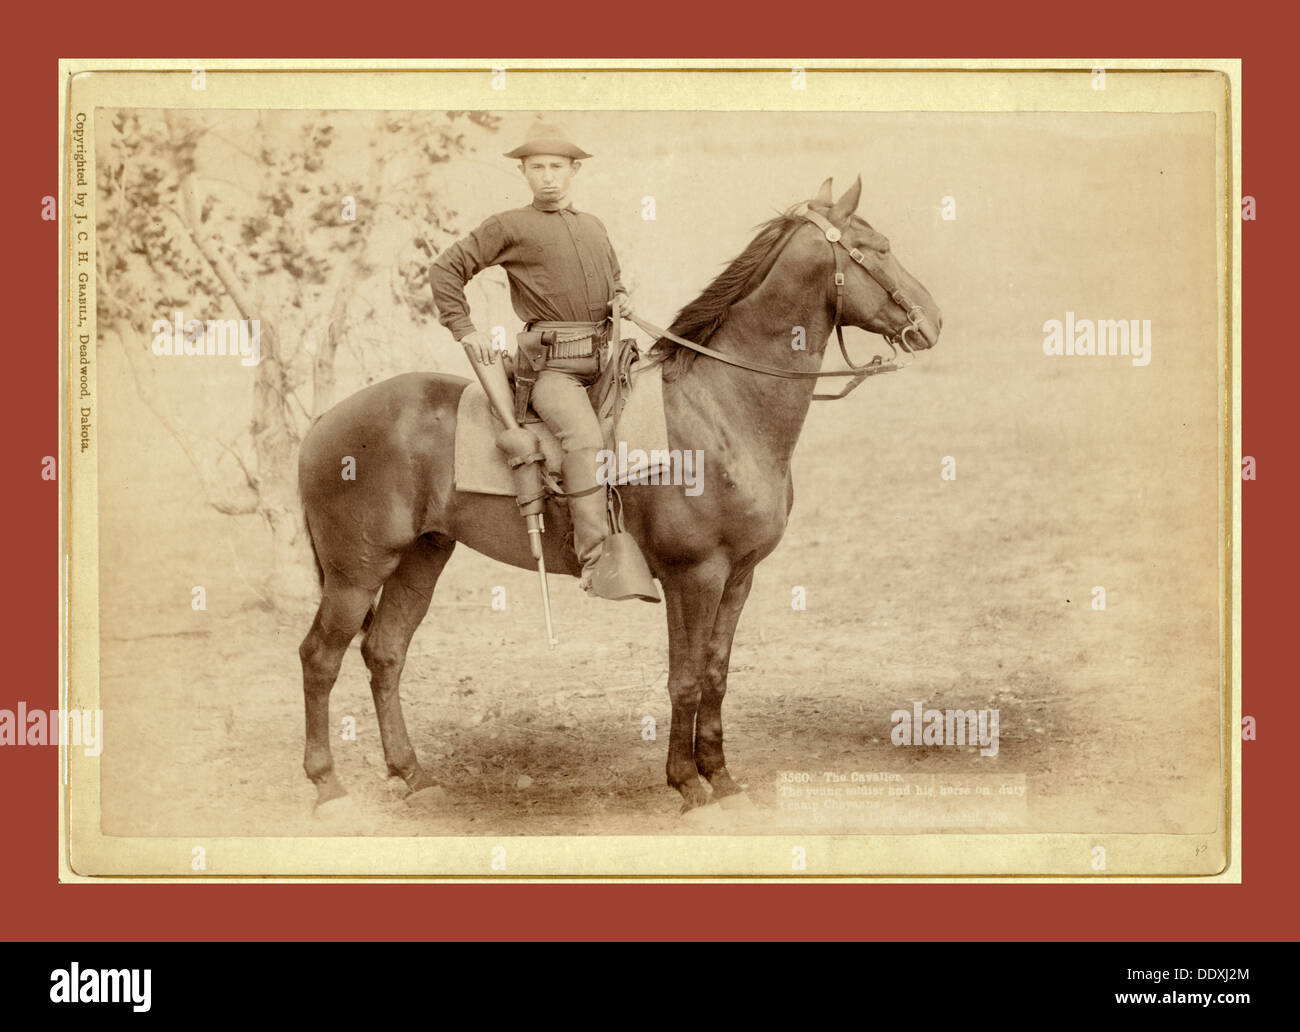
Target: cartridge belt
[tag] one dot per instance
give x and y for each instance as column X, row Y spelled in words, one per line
column 572, row 339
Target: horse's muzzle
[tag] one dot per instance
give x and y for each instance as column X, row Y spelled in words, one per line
column 921, row 333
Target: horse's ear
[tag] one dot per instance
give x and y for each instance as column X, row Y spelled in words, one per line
column 847, row 204
column 824, row 194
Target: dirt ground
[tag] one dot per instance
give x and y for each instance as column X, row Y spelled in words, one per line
column 968, row 594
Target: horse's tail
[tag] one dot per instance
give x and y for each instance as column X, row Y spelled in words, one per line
column 315, row 558
column 311, row 542
column 320, row 570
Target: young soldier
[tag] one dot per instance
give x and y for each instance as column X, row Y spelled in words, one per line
column 563, row 277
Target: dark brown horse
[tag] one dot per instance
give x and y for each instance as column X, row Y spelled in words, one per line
column 395, row 525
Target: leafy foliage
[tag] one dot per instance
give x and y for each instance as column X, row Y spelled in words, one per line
column 320, row 225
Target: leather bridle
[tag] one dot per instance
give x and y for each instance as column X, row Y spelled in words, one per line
column 914, row 312
column 858, row 373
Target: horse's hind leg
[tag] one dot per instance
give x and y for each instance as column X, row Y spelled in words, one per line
column 403, row 604
column 342, row 609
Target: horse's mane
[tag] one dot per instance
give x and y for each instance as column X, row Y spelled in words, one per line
column 704, row 316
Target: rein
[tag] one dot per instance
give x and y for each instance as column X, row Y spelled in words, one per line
column 857, row 372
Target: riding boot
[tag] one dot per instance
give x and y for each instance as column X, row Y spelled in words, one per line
column 588, row 512
column 612, row 564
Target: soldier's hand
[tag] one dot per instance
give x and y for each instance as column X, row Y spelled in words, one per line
column 478, row 346
column 624, row 306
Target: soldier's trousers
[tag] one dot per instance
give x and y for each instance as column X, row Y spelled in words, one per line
column 560, row 398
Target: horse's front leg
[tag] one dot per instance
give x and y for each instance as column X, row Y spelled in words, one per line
column 709, row 759
column 692, row 595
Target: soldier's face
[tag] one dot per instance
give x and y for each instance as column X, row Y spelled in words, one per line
column 549, row 175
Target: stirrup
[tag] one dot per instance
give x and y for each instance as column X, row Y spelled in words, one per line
column 620, row 572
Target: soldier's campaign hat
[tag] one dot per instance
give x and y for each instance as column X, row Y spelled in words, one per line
column 547, row 138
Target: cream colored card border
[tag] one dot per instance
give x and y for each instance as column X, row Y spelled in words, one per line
column 601, row 84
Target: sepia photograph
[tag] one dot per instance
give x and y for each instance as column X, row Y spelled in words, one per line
column 762, row 471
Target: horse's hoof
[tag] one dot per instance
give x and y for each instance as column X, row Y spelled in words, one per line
column 694, row 794
column 433, row 799
column 396, row 787
column 341, row 810
column 739, row 801
column 708, row 817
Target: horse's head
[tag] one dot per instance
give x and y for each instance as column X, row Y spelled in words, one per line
column 877, row 293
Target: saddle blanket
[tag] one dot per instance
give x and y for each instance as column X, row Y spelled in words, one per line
column 640, row 448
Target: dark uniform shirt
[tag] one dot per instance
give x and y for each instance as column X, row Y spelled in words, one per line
column 560, row 264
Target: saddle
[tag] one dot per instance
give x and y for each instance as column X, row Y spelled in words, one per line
column 639, row 448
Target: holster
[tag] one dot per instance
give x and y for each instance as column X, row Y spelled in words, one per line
column 537, row 350
column 529, row 361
